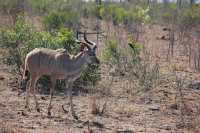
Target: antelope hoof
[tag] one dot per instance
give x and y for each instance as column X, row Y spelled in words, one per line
column 65, row 111
column 49, row 113
column 75, row 117
column 27, row 107
column 38, row 109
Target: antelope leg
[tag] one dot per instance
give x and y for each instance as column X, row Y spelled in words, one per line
column 71, row 101
column 34, row 80
column 28, row 88
column 53, row 82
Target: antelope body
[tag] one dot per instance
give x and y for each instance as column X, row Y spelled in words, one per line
column 58, row 64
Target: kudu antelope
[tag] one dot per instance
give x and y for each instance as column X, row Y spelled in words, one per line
column 58, row 64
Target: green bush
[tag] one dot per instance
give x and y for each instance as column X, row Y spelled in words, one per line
column 169, row 14
column 55, row 20
column 121, row 15
column 134, row 50
column 58, row 20
column 7, row 5
column 12, row 39
column 115, row 54
column 148, row 75
column 111, row 52
column 140, row 14
column 41, row 6
column 90, row 76
column 191, row 16
column 127, row 62
column 91, row 10
column 112, row 12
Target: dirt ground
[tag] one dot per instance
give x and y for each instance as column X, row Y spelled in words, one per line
column 151, row 113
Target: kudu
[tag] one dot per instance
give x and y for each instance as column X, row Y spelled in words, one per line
column 58, row 64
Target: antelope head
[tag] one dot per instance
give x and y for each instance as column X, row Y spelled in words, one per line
column 90, row 52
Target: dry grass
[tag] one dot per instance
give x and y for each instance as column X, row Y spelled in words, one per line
column 96, row 108
column 126, row 110
column 9, row 128
column 179, row 67
column 196, row 125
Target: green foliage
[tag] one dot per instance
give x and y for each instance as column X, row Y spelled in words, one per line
column 114, row 54
column 8, row 4
column 90, row 9
column 12, row 39
column 140, row 14
column 134, row 50
column 120, row 15
column 111, row 52
column 113, row 12
column 148, row 75
column 21, row 33
column 40, row 6
column 25, row 39
column 169, row 14
column 180, row 15
column 57, row 20
column 191, row 16
column 127, row 62
column 47, row 6
column 8, row 38
column 144, row 74
column 90, row 75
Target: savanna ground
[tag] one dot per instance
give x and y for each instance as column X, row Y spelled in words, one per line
column 153, row 111
column 173, row 106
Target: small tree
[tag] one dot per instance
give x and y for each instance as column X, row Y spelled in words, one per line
column 57, row 20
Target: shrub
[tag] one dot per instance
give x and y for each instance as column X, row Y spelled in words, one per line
column 141, row 71
column 136, row 47
column 90, row 9
column 116, row 55
column 191, row 16
column 111, row 52
column 40, row 6
column 54, row 20
column 127, row 62
column 8, row 4
column 120, row 15
column 113, row 12
column 12, row 39
column 141, row 14
column 57, row 20
column 91, row 75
